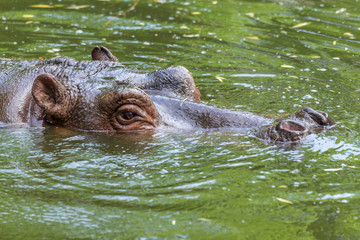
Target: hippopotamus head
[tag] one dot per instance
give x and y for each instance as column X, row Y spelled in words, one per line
column 107, row 96
column 104, row 95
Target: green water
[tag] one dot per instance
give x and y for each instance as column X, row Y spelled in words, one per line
column 267, row 57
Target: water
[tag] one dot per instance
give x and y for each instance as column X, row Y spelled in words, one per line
column 266, row 57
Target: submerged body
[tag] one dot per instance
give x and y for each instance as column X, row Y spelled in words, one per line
column 104, row 95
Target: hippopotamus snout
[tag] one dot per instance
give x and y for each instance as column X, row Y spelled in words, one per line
column 301, row 124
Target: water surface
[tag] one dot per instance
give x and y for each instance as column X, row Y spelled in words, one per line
column 267, row 57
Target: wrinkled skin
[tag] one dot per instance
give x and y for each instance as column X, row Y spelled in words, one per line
column 104, row 95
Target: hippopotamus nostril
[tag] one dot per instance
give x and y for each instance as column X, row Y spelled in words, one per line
column 292, row 126
column 319, row 117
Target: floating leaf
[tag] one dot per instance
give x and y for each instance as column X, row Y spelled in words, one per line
column 341, row 10
column 34, row 22
column 78, row 7
column 333, row 169
column 282, row 186
column 184, row 27
column 204, row 219
column 253, row 37
column 348, row 34
column 352, row 167
column 53, row 50
column 41, row 6
column 301, row 25
column 284, row 200
column 191, row 35
column 250, row 14
column 287, row 66
column 196, row 13
column 221, row 79
column 28, row 16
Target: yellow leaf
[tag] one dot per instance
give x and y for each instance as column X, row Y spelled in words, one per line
column 204, row 219
column 286, row 66
column 334, row 43
column 41, row 6
column 196, row 13
column 184, row 27
column 221, row 79
column 253, row 38
column 29, row 22
column 78, row 7
column 352, row 167
column 282, row 186
column 28, row 16
column 250, row 14
column 284, row 200
column 301, row 25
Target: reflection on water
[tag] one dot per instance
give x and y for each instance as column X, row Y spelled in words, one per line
column 267, row 57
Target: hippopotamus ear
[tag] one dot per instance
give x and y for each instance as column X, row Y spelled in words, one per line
column 102, row 54
column 52, row 96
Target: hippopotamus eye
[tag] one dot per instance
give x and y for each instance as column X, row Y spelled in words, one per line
column 128, row 115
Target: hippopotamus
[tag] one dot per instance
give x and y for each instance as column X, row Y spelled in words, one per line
column 104, row 95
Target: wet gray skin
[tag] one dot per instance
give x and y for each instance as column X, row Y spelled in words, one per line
column 104, row 95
